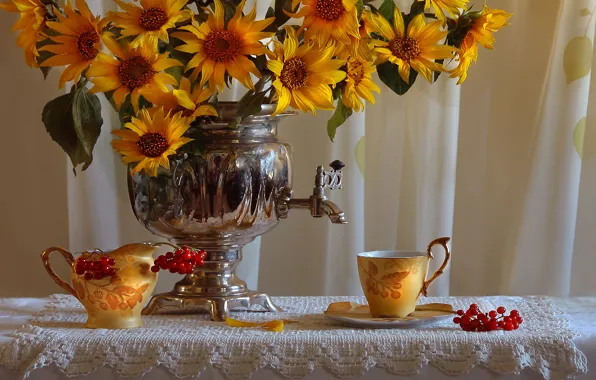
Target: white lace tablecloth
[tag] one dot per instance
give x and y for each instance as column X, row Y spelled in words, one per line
column 193, row 346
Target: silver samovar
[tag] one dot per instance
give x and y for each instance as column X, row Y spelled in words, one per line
column 225, row 188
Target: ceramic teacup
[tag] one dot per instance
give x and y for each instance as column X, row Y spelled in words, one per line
column 394, row 280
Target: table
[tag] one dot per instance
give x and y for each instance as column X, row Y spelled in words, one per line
column 580, row 312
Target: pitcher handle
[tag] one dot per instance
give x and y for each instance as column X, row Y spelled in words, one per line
column 45, row 257
column 442, row 241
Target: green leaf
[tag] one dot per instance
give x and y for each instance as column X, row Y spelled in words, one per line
column 280, row 16
column 386, row 9
column 341, row 114
column 74, row 122
column 272, row 28
column 437, row 74
column 389, row 74
column 126, row 110
column 43, row 55
column 260, row 62
column 250, row 104
column 360, row 7
column 416, row 9
column 87, row 120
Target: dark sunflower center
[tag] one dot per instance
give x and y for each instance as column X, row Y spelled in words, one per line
column 153, row 19
column 356, row 72
column 405, row 48
column 294, row 74
column 185, row 111
column 329, row 10
column 86, row 44
column 135, row 72
column 152, row 144
column 221, row 45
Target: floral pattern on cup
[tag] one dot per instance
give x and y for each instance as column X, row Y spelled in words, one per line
column 385, row 286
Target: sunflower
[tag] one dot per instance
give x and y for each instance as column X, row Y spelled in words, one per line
column 150, row 21
column 190, row 103
column 31, row 23
column 150, row 139
column 483, row 24
column 441, row 7
column 329, row 21
column 218, row 48
column 131, row 71
column 303, row 74
column 415, row 49
column 359, row 84
column 78, row 43
column 360, row 46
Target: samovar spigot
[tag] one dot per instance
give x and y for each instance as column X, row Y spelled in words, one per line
column 318, row 204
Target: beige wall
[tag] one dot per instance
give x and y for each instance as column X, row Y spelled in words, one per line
column 33, row 181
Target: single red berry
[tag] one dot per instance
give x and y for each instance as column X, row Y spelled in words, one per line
column 173, row 270
column 172, row 265
column 179, row 251
column 181, row 268
column 80, row 270
column 98, row 275
column 169, row 255
column 457, row 320
column 507, row 319
column 106, row 269
column 103, row 260
column 112, row 272
column 474, row 311
column 88, row 276
column 474, row 306
column 514, row 313
column 186, row 249
column 520, row 320
column 483, row 318
column 501, row 310
column 186, row 256
column 465, row 320
column 492, row 314
column 155, row 269
column 515, row 325
column 501, row 324
column 493, row 325
column 111, row 262
column 460, row 312
column 164, row 265
column 508, row 326
column 197, row 259
column 474, row 323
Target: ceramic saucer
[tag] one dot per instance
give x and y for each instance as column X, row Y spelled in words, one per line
column 355, row 315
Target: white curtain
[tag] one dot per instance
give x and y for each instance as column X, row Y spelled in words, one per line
column 504, row 164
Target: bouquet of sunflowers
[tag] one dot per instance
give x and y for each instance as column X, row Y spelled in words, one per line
column 162, row 63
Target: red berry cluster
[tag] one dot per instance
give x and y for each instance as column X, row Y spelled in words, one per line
column 182, row 261
column 475, row 320
column 95, row 269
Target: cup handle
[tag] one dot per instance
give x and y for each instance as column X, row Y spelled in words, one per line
column 442, row 241
column 45, row 257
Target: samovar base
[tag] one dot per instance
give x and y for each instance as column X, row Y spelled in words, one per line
column 217, row 307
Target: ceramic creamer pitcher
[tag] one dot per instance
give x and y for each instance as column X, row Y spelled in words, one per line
column 112, row 286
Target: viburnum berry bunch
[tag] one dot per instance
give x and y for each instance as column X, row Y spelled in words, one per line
column 182, row 261
column 474, row 319
column 95, row 268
